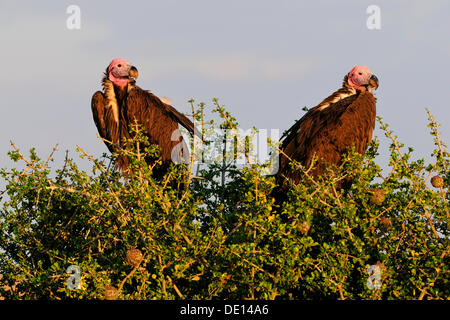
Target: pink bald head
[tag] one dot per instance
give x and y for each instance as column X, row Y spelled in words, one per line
column 119, row 71
column 360, row 77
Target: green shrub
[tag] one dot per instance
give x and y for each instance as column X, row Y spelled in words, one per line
column 218, row 234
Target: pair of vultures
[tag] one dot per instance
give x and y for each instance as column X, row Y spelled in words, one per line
column 344, row 120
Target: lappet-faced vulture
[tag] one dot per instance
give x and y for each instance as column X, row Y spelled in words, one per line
column 343, row 120
column 122, row 103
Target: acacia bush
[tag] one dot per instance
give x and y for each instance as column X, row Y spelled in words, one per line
column 219, row 234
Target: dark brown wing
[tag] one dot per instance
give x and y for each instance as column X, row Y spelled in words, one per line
column 335, row 97
column 315, row 134
column 98, row 106
column 160, row 120
column 181, row 119
column 290, row 134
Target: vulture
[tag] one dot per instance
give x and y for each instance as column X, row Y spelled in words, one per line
column 122, row 103
column 343, row 120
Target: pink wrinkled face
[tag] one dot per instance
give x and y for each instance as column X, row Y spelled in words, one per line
column 359, row 76
column 118, row 71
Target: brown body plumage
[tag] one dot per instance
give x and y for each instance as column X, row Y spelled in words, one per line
column 119, row 106
column 344, row 120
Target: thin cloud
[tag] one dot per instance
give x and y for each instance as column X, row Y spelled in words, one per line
column 419, row 14
column 40, row 43
column 234, row 67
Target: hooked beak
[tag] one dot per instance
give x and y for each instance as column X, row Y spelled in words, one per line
column 133, row 73
column 373, row 81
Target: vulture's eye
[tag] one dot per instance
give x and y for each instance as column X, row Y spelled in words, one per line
column 360, row 73
column 119, row 65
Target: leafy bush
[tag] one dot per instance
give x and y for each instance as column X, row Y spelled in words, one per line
column 219, row 234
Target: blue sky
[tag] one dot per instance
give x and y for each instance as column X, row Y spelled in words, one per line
column 264, row 60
